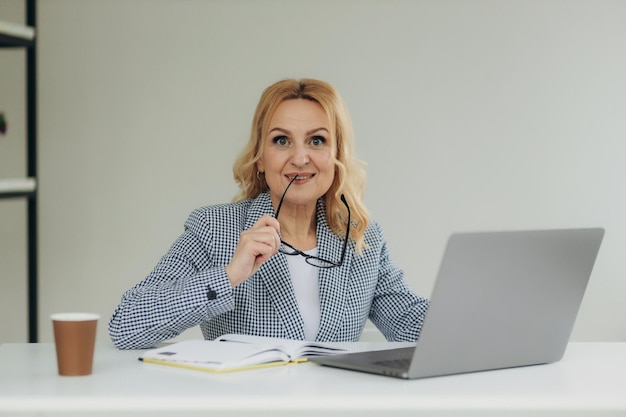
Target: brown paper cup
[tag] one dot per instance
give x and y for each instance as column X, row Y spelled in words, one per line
column 74, row 339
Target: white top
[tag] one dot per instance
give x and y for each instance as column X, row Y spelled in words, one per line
column 305, row 281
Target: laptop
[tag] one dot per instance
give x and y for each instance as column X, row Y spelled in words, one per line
column 501, row 300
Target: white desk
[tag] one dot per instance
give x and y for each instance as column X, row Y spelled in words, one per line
column 590, row 380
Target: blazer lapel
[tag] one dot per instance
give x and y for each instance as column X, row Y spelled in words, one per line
column 332, row 281
column 276, row 277
column 277, row 280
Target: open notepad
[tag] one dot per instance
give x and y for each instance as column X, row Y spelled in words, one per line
column 234, row 352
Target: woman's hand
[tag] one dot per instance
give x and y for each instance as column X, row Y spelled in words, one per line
column 256, row 245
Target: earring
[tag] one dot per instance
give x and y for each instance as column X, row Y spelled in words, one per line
column 258, row 175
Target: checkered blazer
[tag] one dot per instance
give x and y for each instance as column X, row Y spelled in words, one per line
column 189, row 287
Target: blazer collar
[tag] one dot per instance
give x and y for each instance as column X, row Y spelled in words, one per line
column 332, row 281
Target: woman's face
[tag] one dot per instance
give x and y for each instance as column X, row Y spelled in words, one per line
column 298, row 143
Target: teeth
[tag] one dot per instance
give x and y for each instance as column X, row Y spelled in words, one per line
column 301, row 177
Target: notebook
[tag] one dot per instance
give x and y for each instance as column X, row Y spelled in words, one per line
column 501, row 300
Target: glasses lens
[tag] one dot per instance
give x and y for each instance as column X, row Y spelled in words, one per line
column 311, row 260
column 320, row 263
column 288, row 250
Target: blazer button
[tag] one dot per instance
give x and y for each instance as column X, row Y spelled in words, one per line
column 212, row 295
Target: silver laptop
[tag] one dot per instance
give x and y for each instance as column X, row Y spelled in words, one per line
column 501, row 300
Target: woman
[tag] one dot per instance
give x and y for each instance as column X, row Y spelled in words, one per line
column 295, row 256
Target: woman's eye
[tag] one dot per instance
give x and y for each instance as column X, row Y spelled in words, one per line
column 318, row 140
column 280, row 140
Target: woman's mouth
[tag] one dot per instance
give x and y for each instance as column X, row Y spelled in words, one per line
column 299, row 177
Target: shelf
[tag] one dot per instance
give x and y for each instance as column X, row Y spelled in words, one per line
column 17, row 187
column 16, row 35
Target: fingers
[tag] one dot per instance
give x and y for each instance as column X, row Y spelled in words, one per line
column 268, row 226
column 256, row 245
column 264, row 237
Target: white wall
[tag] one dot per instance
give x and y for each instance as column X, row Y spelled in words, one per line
column 472, row 115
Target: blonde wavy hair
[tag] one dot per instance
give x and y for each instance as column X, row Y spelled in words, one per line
column 349, row 171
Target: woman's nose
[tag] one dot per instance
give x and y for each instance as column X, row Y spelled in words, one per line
column 300, row 155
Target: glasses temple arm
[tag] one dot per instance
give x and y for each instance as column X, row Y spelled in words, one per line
column 280, row 204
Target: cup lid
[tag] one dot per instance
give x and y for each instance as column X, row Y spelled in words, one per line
column 74, row 316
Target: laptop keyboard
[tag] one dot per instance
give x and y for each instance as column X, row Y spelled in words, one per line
column 395, row 363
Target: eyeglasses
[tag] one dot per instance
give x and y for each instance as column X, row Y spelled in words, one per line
column 287, row 249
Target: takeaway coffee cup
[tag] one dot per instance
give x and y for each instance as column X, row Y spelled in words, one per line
column 74, row 340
